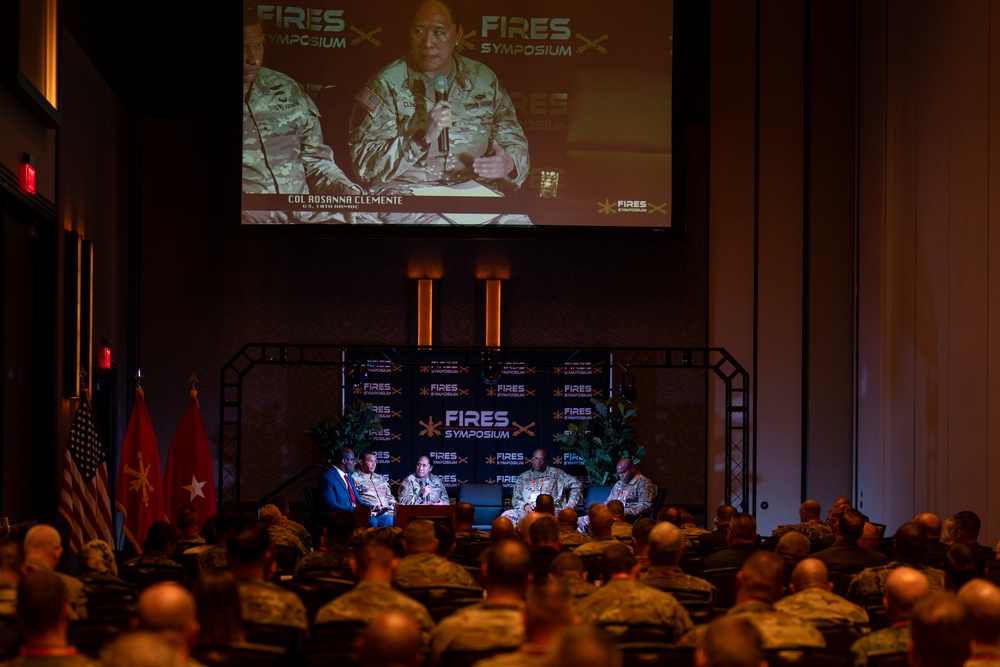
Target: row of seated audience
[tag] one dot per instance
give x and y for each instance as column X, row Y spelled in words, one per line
column 657, row 590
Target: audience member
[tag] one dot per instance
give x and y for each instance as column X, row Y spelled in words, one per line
column 623, row 599
column 934, row 548
column 903, row 589
column 498, row 621
column 692, row 532
column 11, row 560
column 810, row 524
column 545, row 504
column 966, row 531
column 759, row 584
column 963, row 562
column 214, row 554
column 601, row 523
column 465, row 517
column 792, row 547
column 666, row 548
column 869, row 536
column 568, row 568
column 717, row 538
column 640, row 541
column 742, row 540
column 42, row 547
column 730, row 641
column 845, row 554
column 422, row 566
column 620, row 528
column 502, row 529
column 188, row 528
column 250, row 557
column 374, row 564
column 217, row 601
column 43, row 615
column 391, row 639
column 549, row 610
column 813, row 598
column 97, row 564
column 141, row 649
column 569, row 532
column 982, row 599
column 281, row 502
column 910, row 542
column 157, row 549
column 584, row 646
column 280, row 535
column 543, row 541
column 168, row 610
column 333, row 559
column 941, row 631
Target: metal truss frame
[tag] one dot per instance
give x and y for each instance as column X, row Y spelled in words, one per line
column 740, row 458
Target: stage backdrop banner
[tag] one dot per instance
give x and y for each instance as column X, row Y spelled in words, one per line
column 437, row 404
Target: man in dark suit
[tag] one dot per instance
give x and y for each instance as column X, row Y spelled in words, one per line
column 337, row 491
column 742, row 541
column 717, row 539
column 845, row 554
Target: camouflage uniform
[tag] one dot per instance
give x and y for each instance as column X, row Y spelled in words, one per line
column 189, row 541
column 374, row 490
column 387, row 149
column 573, row 538
column 429, row 570
column 896, row 638
column 479, row 626
column 984, row 656
column 621, row 530
column 872, row 579
column 370, row 598
column 75, row 590
column 527, row 655
column 338, row 558
column 822, row 607
column 8, row 599
column 300, row 531
column 578, row 588
column 285, row 537
column 264, row 602
column 471, row 535
column 637, row 495
column 777, row 629
column 814, row 530
column 597, row 547
column 629, row 601
column 283, row 149
column 659, row 576
column 411, row 490
column 553, row 481
column 212, row 558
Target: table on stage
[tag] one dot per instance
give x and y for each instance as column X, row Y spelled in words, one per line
column 434, row 512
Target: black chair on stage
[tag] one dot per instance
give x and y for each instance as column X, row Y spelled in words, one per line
column 486, row 498
column 240, row 654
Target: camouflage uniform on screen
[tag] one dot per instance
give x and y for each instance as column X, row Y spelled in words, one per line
column 822, row 607
column 896, row 638
column 370, row 598
column 814, row 530
column 386, row 143
column 411, row 490
column 264, row 602
column 283, row 149
column 637, row 495
column 479, row 626
column 565, row 489
column 337, row 559
column 777, row 629
column 285, row 537
column 374, row 490
column 429, row 570
column 662, row 577
column 597, row 546
column 872, row 579
column 629, row 601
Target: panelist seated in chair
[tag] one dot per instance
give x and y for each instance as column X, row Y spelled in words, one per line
column 565, row 489
column 373, row 488
column 337, row 490
column 423, row 488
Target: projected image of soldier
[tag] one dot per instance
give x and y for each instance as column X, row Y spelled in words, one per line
column 436, row 118
column 283, row 149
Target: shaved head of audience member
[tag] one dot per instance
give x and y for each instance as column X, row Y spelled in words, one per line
column 549, row 609
column 140, row 649
column 600, row 520
column 809, row 511
column 544, row 532
column 545, row 504
column 723, row 515
column 640, row 536
column 465, row 516
column 568, row 519
column 670, row 515
column 967, row 527
column 502, row 529
column 982, row 599
column 941, row 631
column 931, row 523
column 43, row 609
column 730, row 641
column 168, row 609
column 910, row 543
column 666, row 545
column 43, row 543
column 742, row 529
column 507, row 570
column 841, row 500
column 617, row 509
column 904, row 587
column 869, row 537
column 810, row 573
column 761, row 579
column 792, row 547
column 420, row 537
column 567, row 564
column 391, row 639
column 962, row 562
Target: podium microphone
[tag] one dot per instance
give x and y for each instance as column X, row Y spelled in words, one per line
column 441, row 95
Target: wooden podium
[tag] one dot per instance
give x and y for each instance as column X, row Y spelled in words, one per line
column 433, row 512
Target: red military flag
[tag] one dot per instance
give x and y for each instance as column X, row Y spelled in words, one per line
column 188, row 478
column 84, row 500
column 139, row 496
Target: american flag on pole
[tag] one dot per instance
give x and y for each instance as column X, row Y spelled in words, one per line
column 84, row 500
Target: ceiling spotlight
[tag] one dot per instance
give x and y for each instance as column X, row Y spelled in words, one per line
column 355, row 375
column 627, row 389
column 491, row 370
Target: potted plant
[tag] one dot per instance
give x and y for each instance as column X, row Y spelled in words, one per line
column 352, row 429
column 603, row 440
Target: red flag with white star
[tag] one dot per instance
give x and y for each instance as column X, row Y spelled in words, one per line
column 140, row 494
column 188, row 479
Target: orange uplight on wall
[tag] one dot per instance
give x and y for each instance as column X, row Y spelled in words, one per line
column 425, row 312
column 493, row 299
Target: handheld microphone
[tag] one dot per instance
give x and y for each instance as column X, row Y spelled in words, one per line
column 441, row 95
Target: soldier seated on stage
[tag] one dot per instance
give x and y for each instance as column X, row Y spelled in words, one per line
column 423, row 488
column 564, row 489
column 422, row 566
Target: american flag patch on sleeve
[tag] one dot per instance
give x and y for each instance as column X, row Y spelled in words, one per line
column 369, row 99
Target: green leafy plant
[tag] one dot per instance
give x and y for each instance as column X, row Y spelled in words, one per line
column 602, row 441
column 352, row 429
